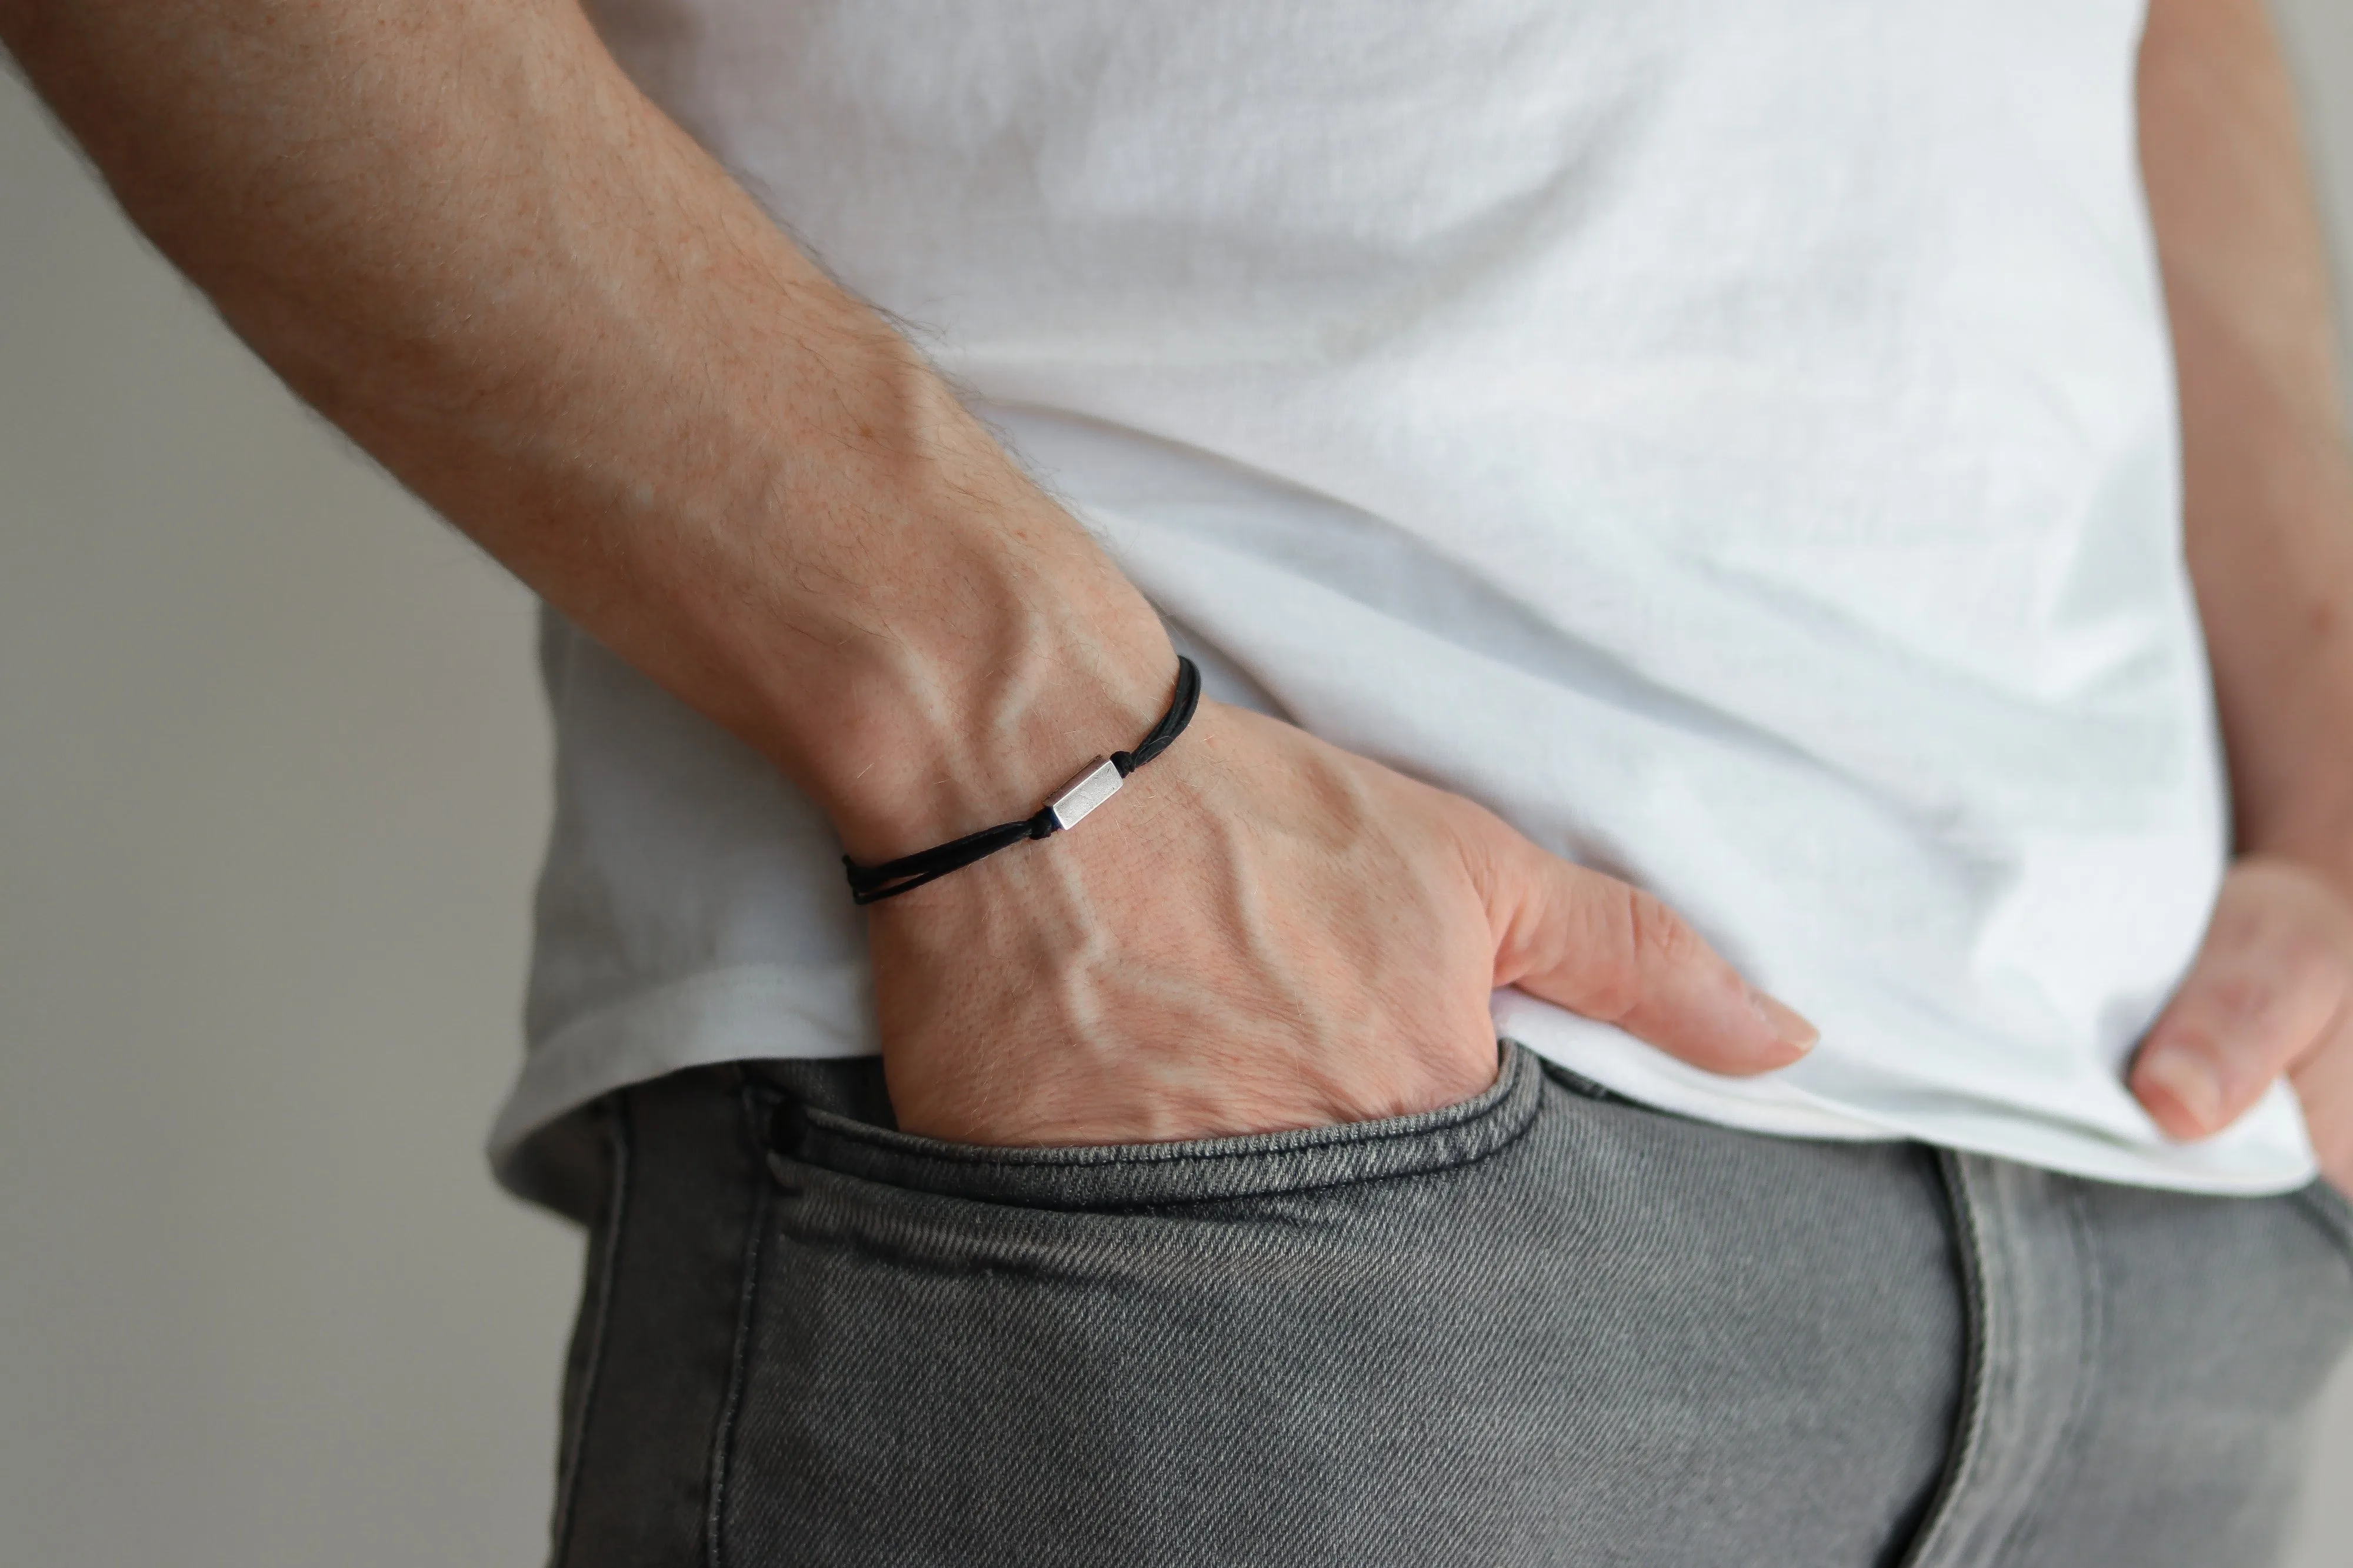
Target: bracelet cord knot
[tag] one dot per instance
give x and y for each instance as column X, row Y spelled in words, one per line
column 871, row 884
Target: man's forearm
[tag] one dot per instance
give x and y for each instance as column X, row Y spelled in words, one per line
column 459, row 232
column 2269, row 480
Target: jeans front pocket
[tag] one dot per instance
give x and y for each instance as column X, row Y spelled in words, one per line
column 1495, row 1334
column 1140, row 1175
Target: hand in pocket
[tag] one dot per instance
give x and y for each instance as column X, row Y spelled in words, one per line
column 1264, row 931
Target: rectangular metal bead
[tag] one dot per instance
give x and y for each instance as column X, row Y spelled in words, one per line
column 1098, row 784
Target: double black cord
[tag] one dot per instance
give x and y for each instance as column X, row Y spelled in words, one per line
column 868, row 884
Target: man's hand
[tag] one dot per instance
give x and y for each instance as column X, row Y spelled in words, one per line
column 2272, row 992
column 1264, row 931
column 2269, row 531
column 461, row 233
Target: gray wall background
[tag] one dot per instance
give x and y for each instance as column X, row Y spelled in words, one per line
column 271, row 788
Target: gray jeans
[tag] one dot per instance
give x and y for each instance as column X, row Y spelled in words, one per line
column 1547, row 1326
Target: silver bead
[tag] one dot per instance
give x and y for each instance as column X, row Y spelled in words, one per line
column 1097, row 783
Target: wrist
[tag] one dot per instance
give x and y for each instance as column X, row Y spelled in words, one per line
column 947, row 735
column 954, row 645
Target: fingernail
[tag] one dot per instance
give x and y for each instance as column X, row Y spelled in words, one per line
column 1788, row 1026
column 2187, row 1079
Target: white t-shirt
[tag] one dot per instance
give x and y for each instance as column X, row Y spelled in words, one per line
column 1733, row 441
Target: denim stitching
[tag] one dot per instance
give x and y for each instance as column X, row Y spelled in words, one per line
column 1584, row 1088
column 1424, row 1144
column 1294, row 1141
column 2035, row 1520
column 601, row 1305
column 1969, row 1418
column 723, row 1440
column 1149, row 1206
column 2329, row 1209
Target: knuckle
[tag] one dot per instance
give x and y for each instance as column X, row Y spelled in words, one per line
column 1637, row 937
column 2240, row 998
column 1479, row 840
column 1661, row 938
column 1608, row 982
column 2196, row 1045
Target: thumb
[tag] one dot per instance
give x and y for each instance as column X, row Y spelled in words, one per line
column 2269, row 987
column 1609, row 951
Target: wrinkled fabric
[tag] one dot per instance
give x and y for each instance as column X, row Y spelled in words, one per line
column 1733, row 440
column 1546, row 1327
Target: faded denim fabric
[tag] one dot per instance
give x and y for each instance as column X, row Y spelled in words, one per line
column 1546, row 1326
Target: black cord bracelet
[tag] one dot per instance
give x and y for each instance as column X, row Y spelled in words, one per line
column 1096, row 783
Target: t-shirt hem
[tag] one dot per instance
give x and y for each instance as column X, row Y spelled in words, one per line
column 743, row 1014
column 754, row 1012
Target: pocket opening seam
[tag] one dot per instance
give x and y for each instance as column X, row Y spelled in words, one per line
column 1135, row 1177
column 1487, row 1102
column 779, row 1163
